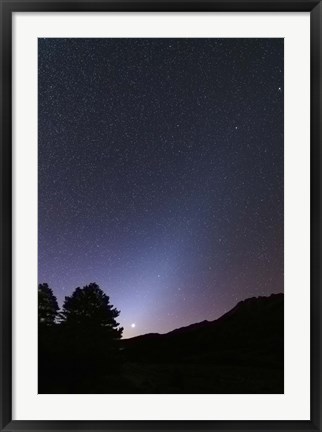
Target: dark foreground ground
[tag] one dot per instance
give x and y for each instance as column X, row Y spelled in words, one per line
column 241, row 352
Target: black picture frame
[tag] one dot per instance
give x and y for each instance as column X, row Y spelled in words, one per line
column 8, row 7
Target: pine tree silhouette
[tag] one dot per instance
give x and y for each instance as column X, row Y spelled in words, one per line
column 90, row 338
column 90, row 308
column 47, row 305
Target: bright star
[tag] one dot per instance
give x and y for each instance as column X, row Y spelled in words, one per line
column 133, row 325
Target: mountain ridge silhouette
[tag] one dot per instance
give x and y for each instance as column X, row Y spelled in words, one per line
column 241, row 304
column 251, row 333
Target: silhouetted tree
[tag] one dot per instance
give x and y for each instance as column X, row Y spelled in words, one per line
column 89, row 338
column 90, row 308
column 47, row 305
column 47, row 337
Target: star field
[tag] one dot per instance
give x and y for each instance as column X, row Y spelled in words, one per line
column 161, row 174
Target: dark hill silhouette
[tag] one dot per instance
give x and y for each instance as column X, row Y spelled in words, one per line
column 249, row 339
column 245, row 306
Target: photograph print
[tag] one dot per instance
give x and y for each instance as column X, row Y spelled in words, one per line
column 160, row 215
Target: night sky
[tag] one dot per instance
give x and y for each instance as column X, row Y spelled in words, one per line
column 161, row 174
